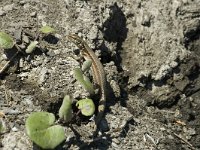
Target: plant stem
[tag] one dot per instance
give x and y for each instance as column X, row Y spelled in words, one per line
column 8, row 63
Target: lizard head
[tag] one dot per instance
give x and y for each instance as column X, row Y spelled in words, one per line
column 76, row 40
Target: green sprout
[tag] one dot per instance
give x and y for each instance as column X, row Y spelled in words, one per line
column 2, row 126
column 41, row 130
column 31, row 47
column 86, row 65
column 47, row 30
column 85, row 82
column 86, row 106
column 65, row 111
column 6, row 41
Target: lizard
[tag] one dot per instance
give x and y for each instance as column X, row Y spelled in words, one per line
column 99, row 76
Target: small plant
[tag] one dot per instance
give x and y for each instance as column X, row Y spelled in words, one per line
column 86, row 65
column 31, row 47
column 65, row 111
column 47, row 30
column 41, row 130
column 85, row 82
column 7, row 42
column 2, row 126
column 40, row 126
column 86, row 106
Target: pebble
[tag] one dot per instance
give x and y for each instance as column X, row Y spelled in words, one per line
column 17, row 34
column 116, row 140
column 25, row 39
column 51, row 53
column 4, row 57
column 2, row 13
column 15, row 129
column 42, row 75
column 170, row 137
column 22, row 2
column 21, row 65
column 114, row 145
column 33, row 14
column 146, row 20
column 8, row 7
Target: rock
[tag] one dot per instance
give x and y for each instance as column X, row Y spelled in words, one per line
column 8, row 7
column 42, row 75
column 22, row 2
column 25, row 39
column 17, row 34
column 33, row 14
column 2, row 13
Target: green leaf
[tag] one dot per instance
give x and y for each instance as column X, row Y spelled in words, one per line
column 85, row 82
column 39, row 121
column 49, row 138
column 2, row 126
column 6, row 41
column 47, row 30
column 39, row 128
column 86, row 106
column 86, row 65
column 31, row 47
column 65, row 111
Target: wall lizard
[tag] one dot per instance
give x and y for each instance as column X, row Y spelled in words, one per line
column 97, row 70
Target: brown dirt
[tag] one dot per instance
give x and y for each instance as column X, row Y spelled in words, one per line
column 150, row 52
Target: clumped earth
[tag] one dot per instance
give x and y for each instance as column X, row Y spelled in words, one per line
column 150, row 51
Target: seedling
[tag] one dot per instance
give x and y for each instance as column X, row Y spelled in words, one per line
column 85, row 82
column 31, row 47
column 6, row 42
column 42, row 131
column 86, row 106
column 65, row 111
column 47, row 30
column 86, row 65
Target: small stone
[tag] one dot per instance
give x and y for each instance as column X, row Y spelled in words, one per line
column 33, row 14
column 8, row 7
column 114, row 145
column 15, row 129
column 170, row 137
column 173, row 64
column 2, row 13
column 51, row 53
column 191, row 131
column 22, row 46
column 4, row 57
column 42, row 75
column 116, row 140
column 21, row 64
column 146, row 20
column 17, row 34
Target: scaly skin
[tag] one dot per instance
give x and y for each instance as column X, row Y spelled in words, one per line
column 98, row 72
